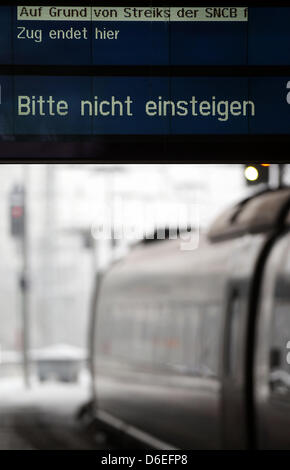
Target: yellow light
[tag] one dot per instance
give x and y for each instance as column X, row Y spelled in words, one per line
column 251, row 173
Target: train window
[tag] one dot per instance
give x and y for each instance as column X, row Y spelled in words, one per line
column 147, row 334
column 177, row 335
column 123, row 329
column 200, row 340
column 160, row 343
column 137, row 321
column 232, row 355
column 192, row 341
column 171, row 339
column 210, row 335
column 177, row 338
column 142, row 344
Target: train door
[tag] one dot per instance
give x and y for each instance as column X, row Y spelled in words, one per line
column 233, row 373
column 234, row 364
column 272, row 359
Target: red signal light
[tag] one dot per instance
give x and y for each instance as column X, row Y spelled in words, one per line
column 17, row 212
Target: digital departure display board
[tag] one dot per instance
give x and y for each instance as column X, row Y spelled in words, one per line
column 129, row 35
column 150, row 72
column 144, row 105
column 144, row 35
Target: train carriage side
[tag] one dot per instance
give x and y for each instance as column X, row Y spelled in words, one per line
column 171, row 337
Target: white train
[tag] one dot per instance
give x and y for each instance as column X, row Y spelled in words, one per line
column 190, row 349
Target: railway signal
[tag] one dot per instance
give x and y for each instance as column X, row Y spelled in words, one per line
column 17, row 214
column 257, row 173
column 17, row 211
